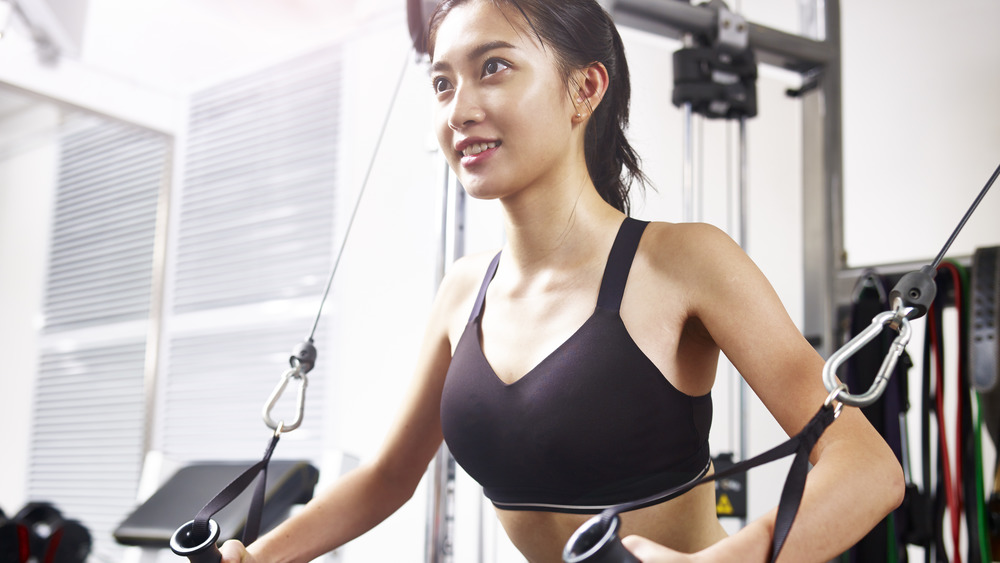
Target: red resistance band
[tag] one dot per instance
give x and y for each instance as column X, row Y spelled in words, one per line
column 952, row 486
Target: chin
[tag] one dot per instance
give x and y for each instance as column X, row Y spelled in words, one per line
column 480, row 190
column 484, row 195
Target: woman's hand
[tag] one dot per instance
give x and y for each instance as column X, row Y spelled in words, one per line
column 234, row 552
column 649, row 551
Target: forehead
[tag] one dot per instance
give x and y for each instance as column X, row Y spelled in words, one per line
column 478, row 22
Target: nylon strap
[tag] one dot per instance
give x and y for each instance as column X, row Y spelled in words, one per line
column 985, row 314
column 984, row 360
column 935, row 517
column 800, row 444
column 200, row 526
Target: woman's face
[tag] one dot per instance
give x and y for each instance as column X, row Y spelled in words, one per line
column 504, row 117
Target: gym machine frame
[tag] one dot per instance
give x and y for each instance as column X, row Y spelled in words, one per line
column 819, row 63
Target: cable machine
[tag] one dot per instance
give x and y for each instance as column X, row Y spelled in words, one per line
column 714, row 77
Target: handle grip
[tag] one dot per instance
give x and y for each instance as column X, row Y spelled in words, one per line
column 597, row 541
column 197, row 551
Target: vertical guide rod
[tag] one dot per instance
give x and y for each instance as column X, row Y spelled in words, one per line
column 744, row 412
column 687, row 170
column 439, row 546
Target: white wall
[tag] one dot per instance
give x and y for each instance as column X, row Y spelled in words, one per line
column 921, row 134
column 924, row 111
column 28, row 157
column 387, row 276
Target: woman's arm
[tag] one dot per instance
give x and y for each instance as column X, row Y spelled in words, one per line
column 369, row 494
column 856, row 479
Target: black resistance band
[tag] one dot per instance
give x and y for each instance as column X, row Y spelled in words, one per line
column 593, row 544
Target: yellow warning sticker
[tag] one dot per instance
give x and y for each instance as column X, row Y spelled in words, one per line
column 723, row 505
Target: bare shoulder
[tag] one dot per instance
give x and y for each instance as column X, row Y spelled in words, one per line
column 465, row 276
column 708, row 274
column 688, row 252
column 458, row 291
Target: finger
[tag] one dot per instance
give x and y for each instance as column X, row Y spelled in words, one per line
column 234, row 552
column 649, row 551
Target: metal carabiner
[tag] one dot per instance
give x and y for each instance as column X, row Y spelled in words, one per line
column 891, row 318
column 282, row 426
column 835, row 396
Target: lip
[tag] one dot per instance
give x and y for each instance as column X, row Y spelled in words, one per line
column 473, row 160
column 467, row 161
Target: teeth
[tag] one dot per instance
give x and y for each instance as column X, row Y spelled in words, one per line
column 477, row 148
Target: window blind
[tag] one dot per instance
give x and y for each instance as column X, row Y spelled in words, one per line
column 88, row 416
column 254, row 246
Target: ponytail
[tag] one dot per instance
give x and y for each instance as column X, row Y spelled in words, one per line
column 612, row 162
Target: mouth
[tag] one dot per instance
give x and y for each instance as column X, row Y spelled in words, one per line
column 474, row 149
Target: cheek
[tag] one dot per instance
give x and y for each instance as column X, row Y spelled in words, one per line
column 548, row 107
column 442, row 132
column 547, row 118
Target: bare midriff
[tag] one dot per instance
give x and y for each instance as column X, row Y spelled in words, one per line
column 687, row 523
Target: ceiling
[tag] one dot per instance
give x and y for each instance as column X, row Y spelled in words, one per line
column 12, row 103
column 174, row 44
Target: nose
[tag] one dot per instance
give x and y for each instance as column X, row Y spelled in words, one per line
column 465, row 110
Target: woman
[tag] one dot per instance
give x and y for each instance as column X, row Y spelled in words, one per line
column 581, row 377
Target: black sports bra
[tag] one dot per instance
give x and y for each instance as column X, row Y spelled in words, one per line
column 593, row 425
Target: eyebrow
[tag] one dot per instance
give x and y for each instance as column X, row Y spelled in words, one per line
column 476, row 53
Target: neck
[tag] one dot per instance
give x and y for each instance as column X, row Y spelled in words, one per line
column 560, row 228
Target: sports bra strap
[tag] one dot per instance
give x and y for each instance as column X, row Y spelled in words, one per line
column 615, row 272
column 490, row 272
column 619, row 263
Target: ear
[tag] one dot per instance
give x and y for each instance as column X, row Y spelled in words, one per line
column 588, row 88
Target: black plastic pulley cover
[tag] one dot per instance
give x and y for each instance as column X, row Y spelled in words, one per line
column 916, row 291
column 305, row 355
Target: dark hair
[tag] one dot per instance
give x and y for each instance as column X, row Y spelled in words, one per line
column 581, row 32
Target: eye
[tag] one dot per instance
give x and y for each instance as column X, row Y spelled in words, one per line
column 493, row 66
column 440, row 84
